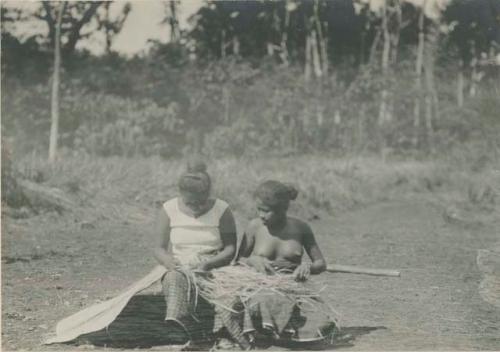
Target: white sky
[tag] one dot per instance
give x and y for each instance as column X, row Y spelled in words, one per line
column 143, row 23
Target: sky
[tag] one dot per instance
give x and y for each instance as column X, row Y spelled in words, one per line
column 144, row 21
column 142, row 24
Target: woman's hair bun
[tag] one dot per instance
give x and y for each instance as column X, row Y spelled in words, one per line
column 196, row 165
column 292, row 191
column 196, row 178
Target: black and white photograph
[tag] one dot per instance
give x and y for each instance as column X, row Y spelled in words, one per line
column 230, row 175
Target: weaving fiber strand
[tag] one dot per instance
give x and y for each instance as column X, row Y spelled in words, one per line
column 244, row 282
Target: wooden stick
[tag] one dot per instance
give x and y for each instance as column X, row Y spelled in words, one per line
column 336, row 268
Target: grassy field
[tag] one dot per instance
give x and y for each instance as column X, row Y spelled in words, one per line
column 325, row 184
column 425, row 218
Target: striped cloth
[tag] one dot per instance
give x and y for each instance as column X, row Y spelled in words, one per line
column 185, row 308
column 271, row 314
column 200, row 319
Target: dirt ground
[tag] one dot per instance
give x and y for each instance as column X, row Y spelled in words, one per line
column 54, row 265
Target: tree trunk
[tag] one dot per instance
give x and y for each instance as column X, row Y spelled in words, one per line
column 270, row 49
column 226, row 96
column 40, row 196
column 473, row 78
column 383, row 110
column 396, row 31
column 108, row 32
column 387, row 42
column 373, row 48
column 54, row 108
column 174, row 23
column 74, row 35
column 223, row 44
column 418, row 78
column 362, row 45
column 316, row 54
column 321, row 40
column 236, row 46
column 324, row 53
column 307, row 70
column 431, row 99
column 460, row 85
column 284, row 37
column 51, row 23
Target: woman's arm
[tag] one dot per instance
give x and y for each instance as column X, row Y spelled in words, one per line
column 245, row 253
column 318, row 264
column 247, row 242
column 160, row 252
column 227, row 228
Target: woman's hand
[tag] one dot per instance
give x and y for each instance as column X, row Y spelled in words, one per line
column 203, row 266
column 302, row 272
column 169, row 263
column 261, row 264
column 166, row 259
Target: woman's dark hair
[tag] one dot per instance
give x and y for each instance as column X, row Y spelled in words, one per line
column 276, row 194
column 196, row 179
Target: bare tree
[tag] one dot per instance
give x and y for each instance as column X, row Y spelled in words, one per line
column 431, row 97
column 418, row 76
column 315, row 47
column 284, row 33
column 316, row 59
column 322, row 40
column 386, row 49
column 54, row 126
column 171, row 18
column 307, row 64
column 460, row 85
column 112, row 26
column 78, row 14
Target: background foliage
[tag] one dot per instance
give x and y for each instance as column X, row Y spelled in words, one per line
column 223, row 87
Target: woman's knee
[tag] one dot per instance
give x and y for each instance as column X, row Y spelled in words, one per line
column 172, row 277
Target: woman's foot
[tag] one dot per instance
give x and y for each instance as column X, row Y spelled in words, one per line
column 197, row 346
column 224, row 344
column 176, row 332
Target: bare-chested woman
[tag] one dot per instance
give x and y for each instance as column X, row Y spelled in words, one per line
column 275, row 242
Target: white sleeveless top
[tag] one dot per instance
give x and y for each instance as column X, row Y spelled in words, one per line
column 192, row 236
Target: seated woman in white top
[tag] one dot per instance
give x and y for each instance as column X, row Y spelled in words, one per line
column 202, row 233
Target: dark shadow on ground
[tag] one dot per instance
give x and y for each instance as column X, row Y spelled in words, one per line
column 348, row 335
column 141, row 325
column 344, row 338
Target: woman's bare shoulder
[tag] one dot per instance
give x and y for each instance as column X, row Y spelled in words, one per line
column 299, row 224
column 253, row 226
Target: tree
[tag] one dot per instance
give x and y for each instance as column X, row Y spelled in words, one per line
column 54, row 126
column 418, row 76
column 77, row 14
column 431, row 97
column 476, row 34
column 171, row 18
column 81, row 19
column 110, row 26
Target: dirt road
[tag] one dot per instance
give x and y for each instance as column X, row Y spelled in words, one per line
column 55, row 265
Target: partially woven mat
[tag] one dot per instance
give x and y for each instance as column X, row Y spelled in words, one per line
column 244, row 282
column 248, row 301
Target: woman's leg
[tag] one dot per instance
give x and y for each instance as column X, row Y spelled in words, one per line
column 176, row 293
column 184, row 308
column 233, row 322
